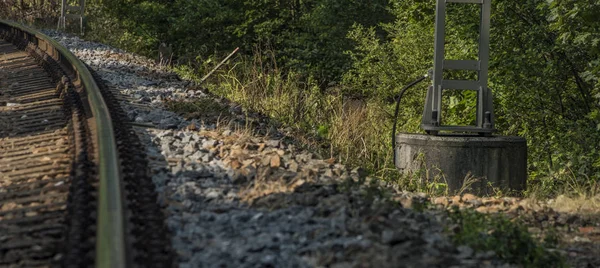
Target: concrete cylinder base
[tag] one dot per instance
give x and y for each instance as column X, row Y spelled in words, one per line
column 487, row 164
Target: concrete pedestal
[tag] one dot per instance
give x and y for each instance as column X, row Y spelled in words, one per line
column 496, row 162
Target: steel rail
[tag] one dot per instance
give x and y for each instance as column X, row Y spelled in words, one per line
column 111, row 249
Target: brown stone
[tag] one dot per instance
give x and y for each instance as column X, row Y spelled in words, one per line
column 191, row 126
column 509, row 201
column 222, row 152
column 235, row 152
column 208, row 146
column 275, row 161
column 31, row 213
column 406, row 202
column 293, row 166
column 468, row 197
column 8, row 206
column 247, row 162
column 265, row 161
column 235, row 164
column 441, row 201
column 530, row 204
column 589, row 230
column 487, row 209
column 455, row 200
column 489, row 201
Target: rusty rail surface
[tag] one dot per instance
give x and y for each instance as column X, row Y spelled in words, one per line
column 60, row 176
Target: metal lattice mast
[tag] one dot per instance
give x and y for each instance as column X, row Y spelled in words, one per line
column 432, row 115
column 74, row 12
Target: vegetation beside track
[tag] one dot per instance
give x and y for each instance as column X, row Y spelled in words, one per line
column 336, row 82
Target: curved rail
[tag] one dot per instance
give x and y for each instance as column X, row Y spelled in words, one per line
column 111, row 249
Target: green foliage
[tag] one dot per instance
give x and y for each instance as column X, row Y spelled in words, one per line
column 332, row 67
column 323, row 131
column 298, row 30
column 423, row 180
column 510, row 240
column 545, row 84
column 549, row 89
column 38, row 13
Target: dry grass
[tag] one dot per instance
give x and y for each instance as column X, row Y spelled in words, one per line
column 359, row 133
column 266, row 183
column 354, row 131
column 578, row 205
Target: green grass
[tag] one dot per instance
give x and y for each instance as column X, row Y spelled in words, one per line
column 510, row 240
column 355, row 132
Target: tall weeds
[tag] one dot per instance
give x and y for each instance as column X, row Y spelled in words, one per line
column 356, row 131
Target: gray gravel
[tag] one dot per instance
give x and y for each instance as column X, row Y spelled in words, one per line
column 234, row 199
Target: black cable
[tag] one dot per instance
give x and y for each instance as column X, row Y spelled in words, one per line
column 398, row 109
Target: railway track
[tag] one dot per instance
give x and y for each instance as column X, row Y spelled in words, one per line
column 73, row 190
